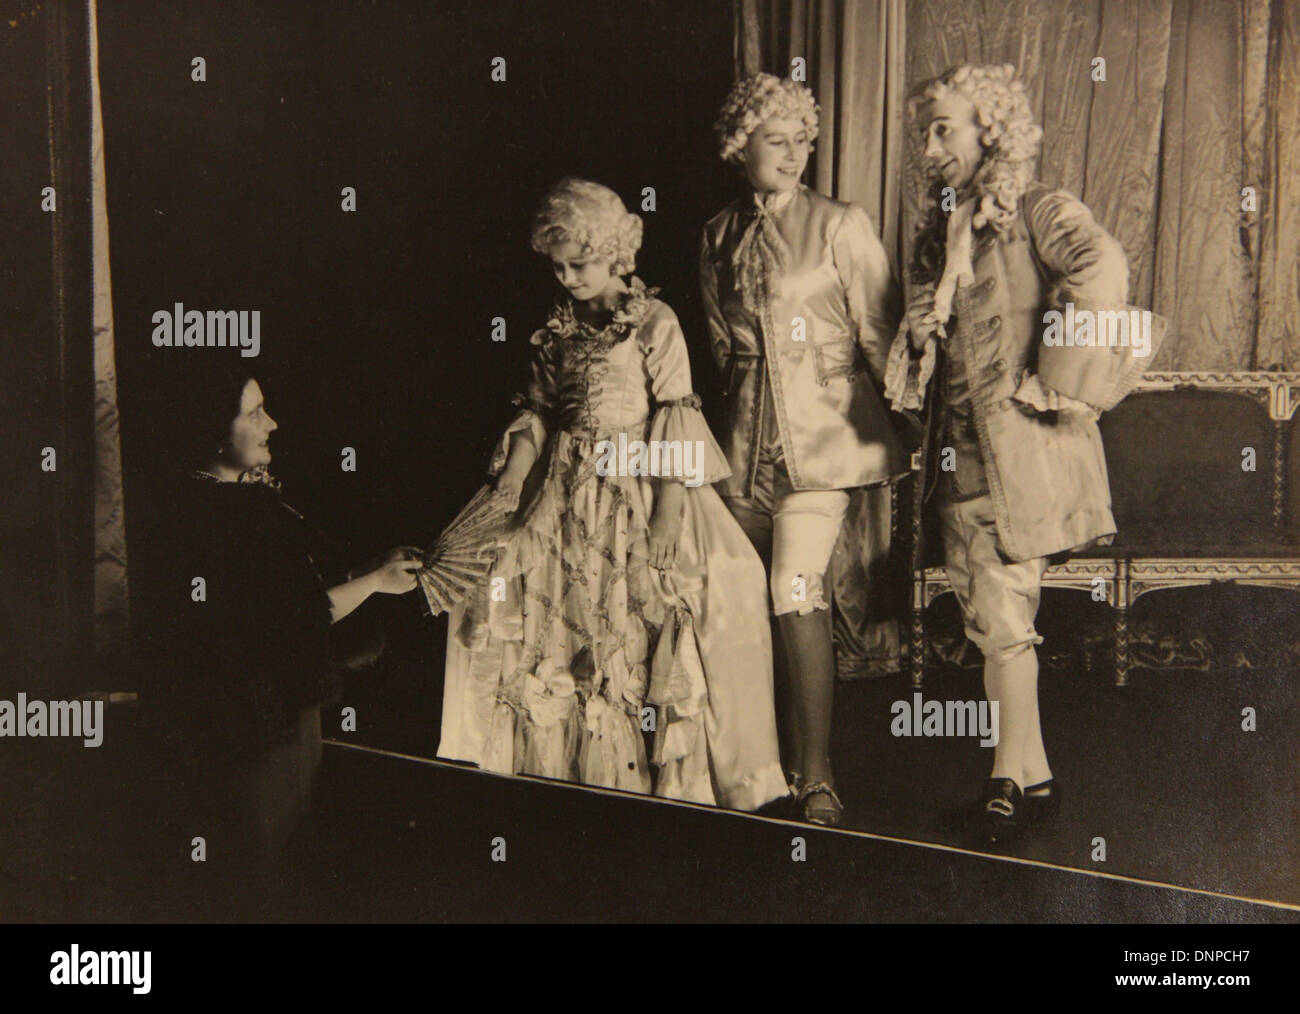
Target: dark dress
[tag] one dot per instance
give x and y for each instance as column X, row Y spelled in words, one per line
column 242, row 672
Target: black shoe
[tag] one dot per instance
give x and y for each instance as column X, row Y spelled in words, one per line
column 1000, row 817
column 1041, row 809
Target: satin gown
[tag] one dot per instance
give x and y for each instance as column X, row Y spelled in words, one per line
column 585, row 651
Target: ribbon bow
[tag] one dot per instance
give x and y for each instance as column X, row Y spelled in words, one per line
column 677, row 688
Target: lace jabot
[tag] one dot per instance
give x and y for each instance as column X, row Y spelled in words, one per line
column 761, row 254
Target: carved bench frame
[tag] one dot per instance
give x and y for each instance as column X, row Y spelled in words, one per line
column 1125, row 579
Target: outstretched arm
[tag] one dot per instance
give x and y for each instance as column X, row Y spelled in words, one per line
column 394, row 576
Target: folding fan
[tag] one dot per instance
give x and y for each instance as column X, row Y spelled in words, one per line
column 464, row 552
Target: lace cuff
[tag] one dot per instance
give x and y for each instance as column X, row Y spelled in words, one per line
column 1041, row 398
column 905, row 377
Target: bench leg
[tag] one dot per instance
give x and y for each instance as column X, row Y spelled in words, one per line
column 1123, row 660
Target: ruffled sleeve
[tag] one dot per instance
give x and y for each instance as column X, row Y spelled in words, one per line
column 872, row 295
column 907, row 375
column 536, row 406
column 677, row 414
column 1041, row 398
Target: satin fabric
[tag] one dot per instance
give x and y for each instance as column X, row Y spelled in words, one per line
column 1045, row 471
column 821, row 341
column 795, row 531
column 552, row 680
column 998, row 600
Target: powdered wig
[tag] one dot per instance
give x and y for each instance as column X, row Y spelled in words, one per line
column 1010, row 138
column 594, row 217
column 753, row 101
column 1007, row 131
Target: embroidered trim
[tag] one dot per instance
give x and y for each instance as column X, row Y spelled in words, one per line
column 830, row 366
column 563, row 323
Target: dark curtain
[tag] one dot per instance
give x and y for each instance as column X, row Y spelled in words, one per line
column 46, row 338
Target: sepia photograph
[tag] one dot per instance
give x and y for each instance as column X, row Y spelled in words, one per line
column 651, row 461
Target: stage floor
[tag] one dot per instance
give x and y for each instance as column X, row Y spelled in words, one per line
column 398, row 839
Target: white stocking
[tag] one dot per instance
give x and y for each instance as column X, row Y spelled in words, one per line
column 1013, row 683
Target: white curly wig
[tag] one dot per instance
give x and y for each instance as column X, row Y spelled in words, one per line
column 594, row 217
column 753, row 101
column 1008, row 134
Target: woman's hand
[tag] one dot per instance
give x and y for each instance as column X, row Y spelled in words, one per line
column 664, row 533
column 393, row 575
column 921, row 322
column 396, row 575
column 666, row 525
column 375, row 562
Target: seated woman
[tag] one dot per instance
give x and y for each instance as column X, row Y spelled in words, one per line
column 242, row 632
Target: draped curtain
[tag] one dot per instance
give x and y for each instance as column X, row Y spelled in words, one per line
column 1188, row 152
column 110, row 587
column 46, row 421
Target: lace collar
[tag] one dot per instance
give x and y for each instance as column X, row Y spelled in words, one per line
column 633, row 305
